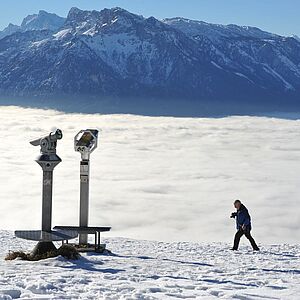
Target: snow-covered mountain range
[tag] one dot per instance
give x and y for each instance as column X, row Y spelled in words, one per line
column 117, row 53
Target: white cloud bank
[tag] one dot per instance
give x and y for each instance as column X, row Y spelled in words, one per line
column 157, row 177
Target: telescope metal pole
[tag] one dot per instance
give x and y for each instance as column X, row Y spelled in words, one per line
column 48, row 163
column 84, row 198
column 85, row 142
column 47, row 200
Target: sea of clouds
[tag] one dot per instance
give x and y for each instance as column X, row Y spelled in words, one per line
column 158, row 178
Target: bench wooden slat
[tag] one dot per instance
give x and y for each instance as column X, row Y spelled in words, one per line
column 81, row 229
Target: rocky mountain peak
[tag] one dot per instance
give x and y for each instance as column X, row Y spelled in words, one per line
column 42, row 21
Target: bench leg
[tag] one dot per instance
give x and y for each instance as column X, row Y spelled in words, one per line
column 63, row 242
column 99, row 241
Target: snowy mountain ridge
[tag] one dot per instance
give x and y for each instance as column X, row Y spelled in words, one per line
column 216, row 31
column 113, row 52
column 253, row 53
column 296, row 37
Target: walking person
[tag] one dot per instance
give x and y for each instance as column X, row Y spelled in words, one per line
column 243, row 225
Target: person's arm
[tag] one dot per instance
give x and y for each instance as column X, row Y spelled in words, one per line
column 246, row 219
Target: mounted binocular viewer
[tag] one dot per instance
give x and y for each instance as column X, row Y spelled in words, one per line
column 85, row 142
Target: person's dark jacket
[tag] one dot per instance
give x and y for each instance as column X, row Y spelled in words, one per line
column 243, row 218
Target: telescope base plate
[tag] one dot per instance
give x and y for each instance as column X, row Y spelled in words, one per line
column 46, row 236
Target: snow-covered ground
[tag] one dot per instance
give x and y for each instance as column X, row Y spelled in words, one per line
column 155, row 270
column 157, row 178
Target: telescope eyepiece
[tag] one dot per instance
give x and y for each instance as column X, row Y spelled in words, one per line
column 57, row 135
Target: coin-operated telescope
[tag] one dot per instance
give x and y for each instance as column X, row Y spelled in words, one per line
column 85, row 142
column 48, row 160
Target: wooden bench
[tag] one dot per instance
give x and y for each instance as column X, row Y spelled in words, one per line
column 86, row 230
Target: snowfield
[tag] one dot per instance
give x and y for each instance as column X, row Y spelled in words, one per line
column 154, row 270
column 157, row 178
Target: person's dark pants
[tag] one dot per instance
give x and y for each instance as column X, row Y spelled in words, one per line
column 248, row 235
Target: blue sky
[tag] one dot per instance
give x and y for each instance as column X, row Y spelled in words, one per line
column 278, row 16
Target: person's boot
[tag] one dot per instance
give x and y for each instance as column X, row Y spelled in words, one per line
column 254, row 246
